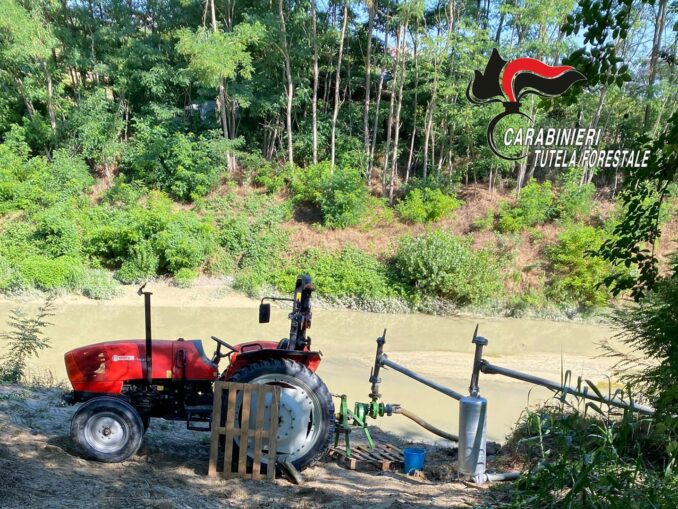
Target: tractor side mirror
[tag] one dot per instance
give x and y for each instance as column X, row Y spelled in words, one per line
column 264, row 312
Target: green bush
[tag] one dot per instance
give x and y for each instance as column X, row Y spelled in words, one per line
column 10, row 278
column 443, row 265
column 533, row 207
column 185, row 243
column 93, row 129
column 485, row 222
column 184, row 165
column 650, row 330
column 341, row 194
column 98, row 284
column 575, row 202
column 35, row 184
column 345, row 273
column 248, row 229
column 141, row 264
column 185, row 278
column 426, row 205
column 51, row 273
column 56, row 233
column 576, row 272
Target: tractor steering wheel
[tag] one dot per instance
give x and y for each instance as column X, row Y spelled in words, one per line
column 218, row 355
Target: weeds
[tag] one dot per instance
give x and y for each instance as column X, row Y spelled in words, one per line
column 24, row 340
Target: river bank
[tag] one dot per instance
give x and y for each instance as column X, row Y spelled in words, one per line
column 219, row 291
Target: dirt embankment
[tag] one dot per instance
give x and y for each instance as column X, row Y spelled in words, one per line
column 40, row 469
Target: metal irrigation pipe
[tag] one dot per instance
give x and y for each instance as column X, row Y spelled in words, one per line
column 384, row 361
column 492, row 369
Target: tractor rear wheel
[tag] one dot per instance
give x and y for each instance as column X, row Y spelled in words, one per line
column 306, row 416
column 107, row 429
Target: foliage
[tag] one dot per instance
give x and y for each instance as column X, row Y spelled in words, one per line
column 532, row 208
column 340, row 193
column 149, row 237
column 443, row 265
column 577, row 460
column 98, row 284
column 185, row 278
column 141, row 264
column 24, row 340
column 575, row 201
column 184, row 165
column 35, row 183
column 575, row 274
column 93, row 130
column 215, row 56
column 348, row 273
column 426, row 205
column 48, row 273
column 644, row 193
column 650, row 329
column 10, row 277
column 248, row 230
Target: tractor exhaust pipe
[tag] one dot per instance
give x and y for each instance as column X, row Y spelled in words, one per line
column 149, row 341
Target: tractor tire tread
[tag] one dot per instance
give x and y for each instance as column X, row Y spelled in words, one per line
column 293, row 368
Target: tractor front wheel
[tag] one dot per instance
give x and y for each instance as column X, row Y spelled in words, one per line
column 306, row 415
column 107, row 429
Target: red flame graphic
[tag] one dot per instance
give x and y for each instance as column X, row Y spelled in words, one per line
column 531, row 65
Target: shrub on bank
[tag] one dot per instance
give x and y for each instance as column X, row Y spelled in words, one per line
column 51, row 273
column 576, row 272
column 442, row 265
column 533, row 207
column 339, row 193
column 185, row 278
column 575, row 201
column 98, row 284
column 426, row 205
column 342, row 274
column 185, row 166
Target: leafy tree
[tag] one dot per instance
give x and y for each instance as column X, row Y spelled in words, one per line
column 24, row 340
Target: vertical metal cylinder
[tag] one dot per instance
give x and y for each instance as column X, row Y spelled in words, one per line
column 149, row 338
column 472, row 436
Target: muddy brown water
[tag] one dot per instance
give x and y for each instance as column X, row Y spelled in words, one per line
column 438, row 348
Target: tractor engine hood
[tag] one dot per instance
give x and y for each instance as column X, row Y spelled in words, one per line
column 105, row 367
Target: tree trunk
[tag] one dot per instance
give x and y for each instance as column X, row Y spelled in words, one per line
column 314, row 103
column 290, row 84
column 335, row 113
column 654, row 56
column 27, row 100
column 414, row 111
column 368, row 77
column 396, row 137
column 370, row 170
column 50, row 96
column 389, row 126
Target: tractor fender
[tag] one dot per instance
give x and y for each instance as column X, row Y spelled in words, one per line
column 243, row 358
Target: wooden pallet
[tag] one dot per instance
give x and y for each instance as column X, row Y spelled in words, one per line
column 264, row 433
column 383, row 457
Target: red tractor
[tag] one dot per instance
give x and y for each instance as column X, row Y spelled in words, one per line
column 123, row 384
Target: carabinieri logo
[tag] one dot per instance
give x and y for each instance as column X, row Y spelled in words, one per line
column 520, row 77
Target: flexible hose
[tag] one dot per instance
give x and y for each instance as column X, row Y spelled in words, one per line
column 424, row 424
column 503, row 476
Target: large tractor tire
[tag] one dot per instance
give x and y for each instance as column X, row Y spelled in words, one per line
column 306, row 416
column 107, row 429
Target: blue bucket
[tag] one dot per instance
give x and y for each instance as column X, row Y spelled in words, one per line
column 413, row 459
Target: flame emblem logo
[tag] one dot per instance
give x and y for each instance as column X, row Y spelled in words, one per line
column 520, row 77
